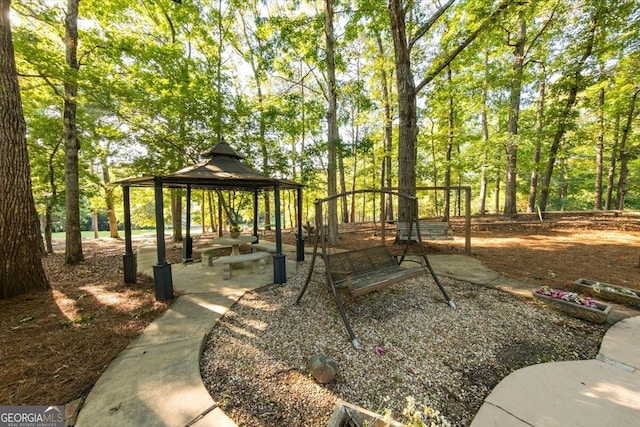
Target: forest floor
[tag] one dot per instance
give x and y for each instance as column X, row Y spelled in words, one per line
column 56, row 344
column 557, row 252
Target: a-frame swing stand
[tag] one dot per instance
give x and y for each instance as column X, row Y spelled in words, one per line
column 369, row 269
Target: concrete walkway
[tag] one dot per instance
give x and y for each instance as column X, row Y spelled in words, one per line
column 156, row 380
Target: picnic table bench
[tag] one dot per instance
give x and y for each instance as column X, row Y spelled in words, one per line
column 257, row 260
column 429, row 230
column 365, row 270
column 267, row 248
column 207, row 253
column 264, row 247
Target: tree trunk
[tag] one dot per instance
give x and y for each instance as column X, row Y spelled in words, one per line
column 624, row 155
column 257, row 72
column 265, row 162
column 407, row 126
column 533, row 188
column 497, row 194
column 612, row 164
column 343, row 186
column 108, row 194
column 565, row 113
column 52, row 201
column 73, row 241
column 354, row 168
column 510, row 205
column 176, row 214
column 48, row 241
column 220, row 219
column 212, row 212
column 485, row 137
column 434, row 164
column 450, row 140
column 407, row 89
column 20, row 264
column 388, row 132
column 333, row 136
column 203, row 212
column 94, row 224
column 599, row 152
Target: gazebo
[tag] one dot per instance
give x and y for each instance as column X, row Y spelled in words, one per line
column 222, row 168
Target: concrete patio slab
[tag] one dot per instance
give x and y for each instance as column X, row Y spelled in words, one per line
column 621, row 345
column 566, row 394
column 462, row 267
column 156, row 384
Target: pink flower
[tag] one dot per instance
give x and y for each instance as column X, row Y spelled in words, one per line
column 379, row 351
column 567, row 296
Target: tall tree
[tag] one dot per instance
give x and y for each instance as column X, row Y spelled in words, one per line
column 19, row 226
column 385, row 176
column 109, row 197
column 484, row 123
column 73, row 242
column 533, row 186
column 408, row 89
column 608, row 203
column 333, row 136
column 451, row 136
column 597, row 205
column 575, row 84
column 624, row 152
column 257, row 63
column 510, row 207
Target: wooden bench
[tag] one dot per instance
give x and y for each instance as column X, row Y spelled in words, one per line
column 207, row 253
column 429, row 230
column 257, row 260
column 369, row 269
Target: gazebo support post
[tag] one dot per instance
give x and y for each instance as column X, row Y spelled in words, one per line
column 187, row 243
column 300, row 241
column 162, row 270
column 279, row 261
column 255, row 216
column 129, row 258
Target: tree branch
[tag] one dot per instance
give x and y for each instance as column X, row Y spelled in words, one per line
column 427, row 25
column 450, row 56
column 542, row 30
column 46, row 80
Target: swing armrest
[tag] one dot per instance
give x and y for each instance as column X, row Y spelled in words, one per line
column 342, row 276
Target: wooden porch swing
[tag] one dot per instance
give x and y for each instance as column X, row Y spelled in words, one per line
column 365, row 270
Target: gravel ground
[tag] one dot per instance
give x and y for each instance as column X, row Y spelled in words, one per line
column 255, row 360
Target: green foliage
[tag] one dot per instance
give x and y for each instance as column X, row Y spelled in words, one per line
column 159, row 82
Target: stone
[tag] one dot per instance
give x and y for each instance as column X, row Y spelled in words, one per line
column 323, row 368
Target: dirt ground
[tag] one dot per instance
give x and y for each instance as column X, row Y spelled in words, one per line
column 56, row 344
column 559, row 253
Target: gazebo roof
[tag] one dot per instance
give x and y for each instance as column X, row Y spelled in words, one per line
column 221, row 168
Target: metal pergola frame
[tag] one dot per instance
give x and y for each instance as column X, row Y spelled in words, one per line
column 222, row 169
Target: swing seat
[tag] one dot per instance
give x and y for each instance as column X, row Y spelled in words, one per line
column 364, row 270
column 369, row 269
